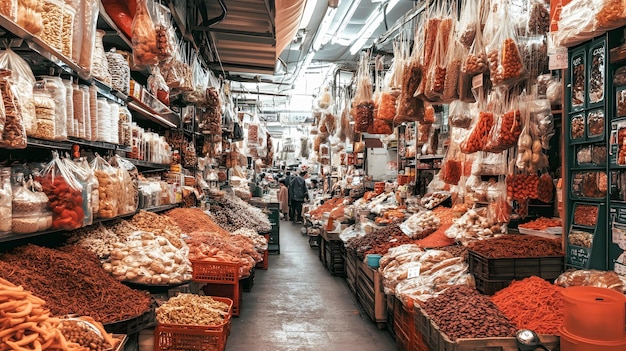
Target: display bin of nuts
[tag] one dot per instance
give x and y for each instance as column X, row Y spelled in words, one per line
column 577, row 127
column 219, row 279
column 595, row 124
column 578, row 80
column 547, row 267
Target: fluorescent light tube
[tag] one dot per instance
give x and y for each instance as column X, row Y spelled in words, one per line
column 321, row 36
column 308, row 13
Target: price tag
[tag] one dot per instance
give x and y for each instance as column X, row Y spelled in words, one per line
column 557, row 61
column 414, row 272
column 477, row 81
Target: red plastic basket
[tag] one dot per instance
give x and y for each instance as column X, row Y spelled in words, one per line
column 212, row 271
column 176, row 337
column 188, row 338
column 264, row 265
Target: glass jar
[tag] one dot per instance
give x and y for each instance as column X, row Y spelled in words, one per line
column 100, row 69
column 6, row 196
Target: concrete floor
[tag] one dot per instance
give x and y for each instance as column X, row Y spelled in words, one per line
column 296, row 305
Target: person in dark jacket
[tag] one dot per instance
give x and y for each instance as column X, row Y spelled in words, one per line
column 298, row 194
column 288, row 178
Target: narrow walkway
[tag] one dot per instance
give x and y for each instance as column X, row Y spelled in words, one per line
column 297, row 305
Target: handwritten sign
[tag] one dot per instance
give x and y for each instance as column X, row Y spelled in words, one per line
column 578, row 256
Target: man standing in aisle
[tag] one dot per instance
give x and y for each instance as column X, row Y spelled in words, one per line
column 298, row 193
column 283, row 199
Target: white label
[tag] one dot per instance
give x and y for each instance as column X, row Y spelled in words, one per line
column 414, row 272
column 557, row 61
column 477, row 81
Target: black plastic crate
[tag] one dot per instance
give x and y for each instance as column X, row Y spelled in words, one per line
column 548, row 267
column 333, row 258
column 248, row 282
column 490, row 287
column 133, row 325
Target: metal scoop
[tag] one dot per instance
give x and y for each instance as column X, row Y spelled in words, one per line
column 528, row 340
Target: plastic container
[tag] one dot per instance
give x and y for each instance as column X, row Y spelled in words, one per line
column 571, row 342
column 373, row 260
column 594, row 313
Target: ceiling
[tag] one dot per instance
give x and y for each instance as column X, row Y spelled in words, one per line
column 266, row 47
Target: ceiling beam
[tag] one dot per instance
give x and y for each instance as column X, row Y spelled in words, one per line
column 259, row 93
column 237, row 78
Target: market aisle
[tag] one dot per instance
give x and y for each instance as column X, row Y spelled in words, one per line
column 298, row 305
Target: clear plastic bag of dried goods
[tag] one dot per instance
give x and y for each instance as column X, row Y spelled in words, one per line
column 541, row 121
column 24, row 80
column 534, row 53
column 109, row 187
column 145, row 49
column 55, row 87
column 610, row 14
column 436, row 76
column 474, row 63
column 538, row 18
column 64, row 194
column 83, row 176
column 162, row 25
column 8, row 8
column 89, row 18
column 129, row 177
column 500, row 207
column 575, row 24
column 507, row 128
column 469, row 18
column 505, row 62
column 455, row 55
column 597, row 278
column 459, row 114
column 411, row 108
column 431, row 30
column 12, row 128
column 477, row 139
column 363, row 104
column 158, row 87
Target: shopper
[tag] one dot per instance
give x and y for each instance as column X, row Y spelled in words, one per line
column 298, row 194
column 288, row 178
column 283, row 198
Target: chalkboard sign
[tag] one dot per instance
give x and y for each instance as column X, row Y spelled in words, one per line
column 578, row 256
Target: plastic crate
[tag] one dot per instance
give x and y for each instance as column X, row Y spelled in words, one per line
column 189, row 338
column 211, row 271
column 547, row 267
column 248, row 282
column 490, row 287
column 264, row 265
column 132, row 325
column 233, row 292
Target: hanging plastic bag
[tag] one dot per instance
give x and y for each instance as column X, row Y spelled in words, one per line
column 542, row 122
column 129, row 180
column 505, row 62
column 459, row 114
column 534, row 53
column 162, row 25
column 507, row 129
column 455, row 55
column 64, row 194
column 109, row 188
column 145, row 49
column 500, row 207
column 474, row 64
column 610, row 14
column 477, row 139
column 469, row 18
column 436, row 78
column 83, row 176
column 430, row 42
column 452, row 167
column 411, row 108
column 158, row 87
column 363, row 105
column 538, row 18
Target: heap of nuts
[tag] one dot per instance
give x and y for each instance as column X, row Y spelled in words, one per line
column 595, row 121
column 521, row 187
column 475, row 64
column 461, row 312
column 578, row 127
column 84, row 334
column 580, row 238
column 578, row 81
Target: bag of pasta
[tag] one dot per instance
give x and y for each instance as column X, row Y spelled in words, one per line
column 145, row 49
column 505, row 62
column 363, row 105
